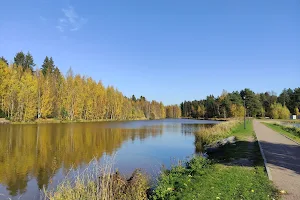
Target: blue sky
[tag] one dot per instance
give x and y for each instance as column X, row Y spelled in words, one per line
column 169, row 51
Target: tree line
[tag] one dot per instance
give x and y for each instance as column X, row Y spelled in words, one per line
column 266, row 104
column 27, row 94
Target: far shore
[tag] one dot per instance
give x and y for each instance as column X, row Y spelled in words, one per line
column 58, row 121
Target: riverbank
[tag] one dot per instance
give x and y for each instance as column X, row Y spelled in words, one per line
column 4, row 121
column 235, row 171
column 280, row 120
column 58, row 121
column 202, row 118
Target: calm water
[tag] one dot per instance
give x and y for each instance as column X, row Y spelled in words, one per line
column 297, row 125
column 33, row 156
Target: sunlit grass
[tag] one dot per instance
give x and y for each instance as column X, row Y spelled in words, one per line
column 99, row 182
column 201, row 179
column 219, row 131
column 288, row 130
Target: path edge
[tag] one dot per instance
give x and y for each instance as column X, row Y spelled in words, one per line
column 264, row 158
column 282, row 134
column 288, row 137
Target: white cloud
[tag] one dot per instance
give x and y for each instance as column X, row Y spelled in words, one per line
column 71, row 20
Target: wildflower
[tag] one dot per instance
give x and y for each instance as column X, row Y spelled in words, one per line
column 252, row 190
column 218, row 198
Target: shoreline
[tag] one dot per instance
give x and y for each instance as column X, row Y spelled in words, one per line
column 185, row 179
column 56, row 121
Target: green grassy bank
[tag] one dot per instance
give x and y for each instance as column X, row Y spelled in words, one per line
column 236, row 171
column 289, row 131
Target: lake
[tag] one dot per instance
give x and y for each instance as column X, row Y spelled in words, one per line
column 297, row 125
column 37, row 156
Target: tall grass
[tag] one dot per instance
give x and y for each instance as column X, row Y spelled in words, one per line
column 219, row 131
column 99, row 182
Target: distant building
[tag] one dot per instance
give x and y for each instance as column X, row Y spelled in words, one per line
column 294, row 117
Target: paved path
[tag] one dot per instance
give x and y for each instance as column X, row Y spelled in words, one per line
column 283, row 159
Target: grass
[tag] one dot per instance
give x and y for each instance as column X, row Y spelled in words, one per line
column 245, row 147
column 289, row 131
column 219, row 131
column 281, row 120
column 202, row 179
column 100, row 182
column 223, row 176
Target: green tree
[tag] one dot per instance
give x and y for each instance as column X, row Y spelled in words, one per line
column 296, row 111
column 253, row 104
column 133, row 98
column 286, row 98
column 26, row 61
column 29, row 63
column 48, row 66
column 19, row 59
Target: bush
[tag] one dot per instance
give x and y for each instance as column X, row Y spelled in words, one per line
column 2, row 114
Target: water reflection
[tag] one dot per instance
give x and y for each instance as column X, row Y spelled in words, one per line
column 40, row 152
column 190, row 129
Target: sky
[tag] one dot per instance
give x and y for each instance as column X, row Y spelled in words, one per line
column 165, row 50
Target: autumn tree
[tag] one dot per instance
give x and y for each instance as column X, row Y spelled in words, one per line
column 46, row 95
column 4, row 60
column 279, row 112
column 237, row 110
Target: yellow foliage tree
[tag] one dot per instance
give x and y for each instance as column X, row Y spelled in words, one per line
column 46, row 95
column 279, row 112
column 237, row 110
column 25, row 96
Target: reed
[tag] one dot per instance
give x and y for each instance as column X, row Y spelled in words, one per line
column 99, row 182
column 219, row 131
